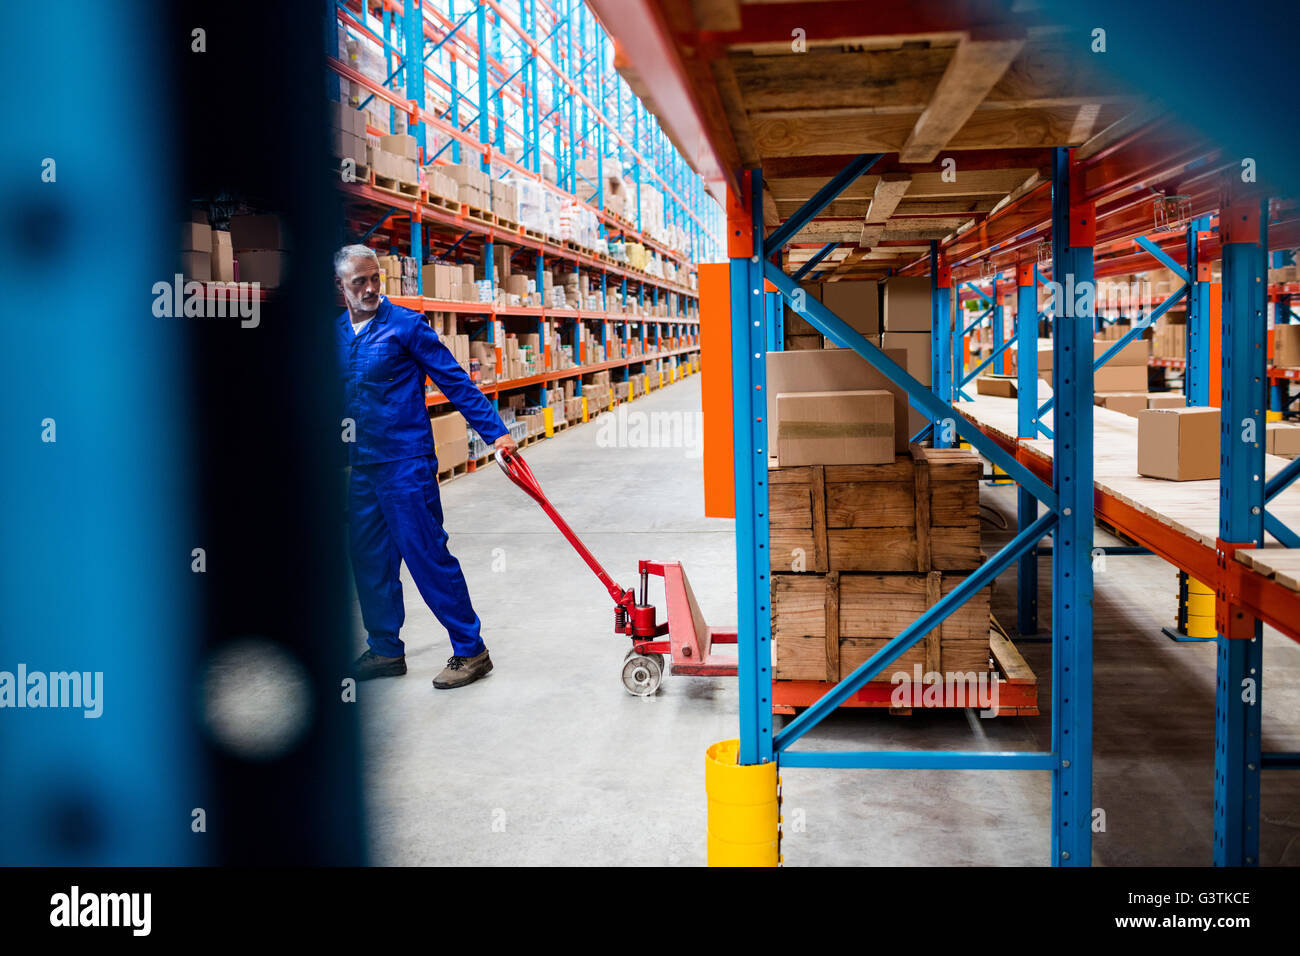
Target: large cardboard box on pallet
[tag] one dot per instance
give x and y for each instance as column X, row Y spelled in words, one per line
column 835, row 428
column 825, row 626
column 450, row 440
column 831, row 370
column 918, row 513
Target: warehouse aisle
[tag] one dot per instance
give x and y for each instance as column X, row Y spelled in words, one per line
column 550, row 761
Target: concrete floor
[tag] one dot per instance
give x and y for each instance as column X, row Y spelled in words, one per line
column 550, row 761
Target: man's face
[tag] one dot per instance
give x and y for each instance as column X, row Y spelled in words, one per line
column 360, row 285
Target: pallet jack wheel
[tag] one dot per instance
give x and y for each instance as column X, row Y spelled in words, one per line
column 642, row 674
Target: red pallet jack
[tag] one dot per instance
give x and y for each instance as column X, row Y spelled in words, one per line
column 684, row 636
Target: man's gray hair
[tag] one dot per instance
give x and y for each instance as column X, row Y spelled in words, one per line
column 352, row 252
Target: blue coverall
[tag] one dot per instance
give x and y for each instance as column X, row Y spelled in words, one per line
column 395, row 512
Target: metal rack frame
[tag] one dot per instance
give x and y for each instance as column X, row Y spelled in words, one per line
column 1068, row 497
column 515, row 76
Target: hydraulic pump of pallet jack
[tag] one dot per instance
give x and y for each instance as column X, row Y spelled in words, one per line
column 634, row 618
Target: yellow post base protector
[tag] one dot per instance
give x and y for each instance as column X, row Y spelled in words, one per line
column 744, row 811
column 548, row 420
column 1272, row 416
column 661, row 378
column 584, row 408
column 1200, row 610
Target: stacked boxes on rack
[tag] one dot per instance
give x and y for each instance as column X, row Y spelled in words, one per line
column 347, row 132
column 1286, row 346
column 397, row 157
column 398, row 275
column 449, row 282
column 860, row 551
column 450, row 440
column 196, row 251
column 1169, row 336
column 1120, row 384
column 260, row 244
column 866, row 531
column 907, row 327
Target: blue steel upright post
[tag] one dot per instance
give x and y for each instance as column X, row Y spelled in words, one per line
column 1074, row 230
column 1027, row 428
column 1237, row 710
column 749, row 409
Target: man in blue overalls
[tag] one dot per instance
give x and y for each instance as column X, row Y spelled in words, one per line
column 395, row 512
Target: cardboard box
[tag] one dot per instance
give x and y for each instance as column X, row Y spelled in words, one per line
column 450, row 440
column 257, row 232
column 1167, row 400
column 221, row 257
column 857, row 303
column 1003, row 386
column 1283, row 439
column 794, row 343
column 917, row 347
column 1129, row 403
column 907, row 304
column 831, row 370
column 1135, row 353
column 1180, row 444
column 835, row 428
column 400, row 145
column 197, row 266
column 1120, row 378
column 1286, row 346
column 265, row 267
column 196, row 237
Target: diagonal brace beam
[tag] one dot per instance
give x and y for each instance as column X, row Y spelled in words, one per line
column 811, row 264
column 820, row 200
column 914, row 632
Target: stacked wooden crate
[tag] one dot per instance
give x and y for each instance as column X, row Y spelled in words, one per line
column 858, row 552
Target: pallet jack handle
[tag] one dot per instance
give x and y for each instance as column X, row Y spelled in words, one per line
column 517, row 470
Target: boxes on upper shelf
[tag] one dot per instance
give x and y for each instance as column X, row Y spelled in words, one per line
column 835, row 428
column 857, row 303
column 1286, row 346
column 907, row 304
column 831, row 370
column 1180, row 444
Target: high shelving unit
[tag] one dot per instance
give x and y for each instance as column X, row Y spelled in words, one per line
column 526, row 89
column 813, row 180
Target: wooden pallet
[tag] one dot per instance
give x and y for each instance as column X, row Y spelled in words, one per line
column 1017, row 687
column 474, row 464
column 362, row 171
column 478, row 215
column 507, row 224
column 451, row 205
column 530, row 439
column 455, row 471
column 534, row 234
column 559, row 426
column 397, row 187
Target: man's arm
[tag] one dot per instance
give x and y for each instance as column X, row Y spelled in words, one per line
column 437, row 362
